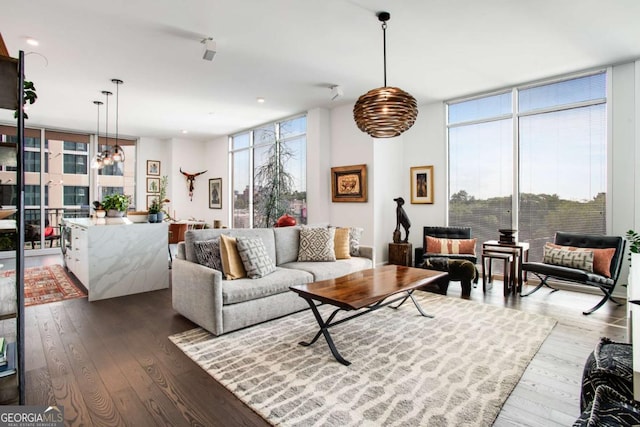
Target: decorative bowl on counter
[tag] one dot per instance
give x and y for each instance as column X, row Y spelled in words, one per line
column 138, row 216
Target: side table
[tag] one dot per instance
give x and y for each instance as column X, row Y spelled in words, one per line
column 520, row 251
column 400, row 254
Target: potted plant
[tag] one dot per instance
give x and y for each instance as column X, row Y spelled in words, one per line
column 634, row 241
column 115, row 204
column 153, row 211
column 633, row 291
column 162, row 198
column 100, row 212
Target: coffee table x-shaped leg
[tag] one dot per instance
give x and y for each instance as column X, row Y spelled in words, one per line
column 326, row 324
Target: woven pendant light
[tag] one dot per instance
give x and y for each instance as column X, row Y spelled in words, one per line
column 387, row 111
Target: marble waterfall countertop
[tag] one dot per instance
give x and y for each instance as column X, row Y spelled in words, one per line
column 93, row 222
column 112, row 259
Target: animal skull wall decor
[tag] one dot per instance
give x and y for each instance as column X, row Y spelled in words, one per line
column 191, row 177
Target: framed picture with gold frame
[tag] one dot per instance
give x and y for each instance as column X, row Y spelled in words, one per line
column 153, row 185
column 422, row 185
column 349, row 183
column 153, row 167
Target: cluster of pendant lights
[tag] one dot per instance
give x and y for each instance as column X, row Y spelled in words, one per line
column 108, row 157
column 386, row 111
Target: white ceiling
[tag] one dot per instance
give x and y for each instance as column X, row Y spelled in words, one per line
column 290, row 52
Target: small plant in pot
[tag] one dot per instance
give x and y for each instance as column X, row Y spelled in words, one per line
column 115, row 204
column 153, row 211
column 100, row 212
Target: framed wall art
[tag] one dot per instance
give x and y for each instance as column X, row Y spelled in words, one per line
column 215, row 193
column 153, row 167
column 150, row 199
column 422, row 184
column 153, row 185
column 349, row 183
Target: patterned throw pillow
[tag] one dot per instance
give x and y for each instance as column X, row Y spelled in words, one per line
column 341, row 243
column 582, row 260
column 601, row 257
column 231, row 262
column 254, row 256
column 316, row 244
column 208, row 253
column 450, row 246
column 355, row 234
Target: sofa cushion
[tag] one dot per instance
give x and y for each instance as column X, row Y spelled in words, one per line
column 601, row 257
column 266, row 234
column 582, row 260
column 208, row 253
column 355, row 234
column 316, row 244
column 241, row 290
column 341, row 243
column 231, row 262
column 287, row 242
column 435, row 245
column 330, row 270
column 255, row 259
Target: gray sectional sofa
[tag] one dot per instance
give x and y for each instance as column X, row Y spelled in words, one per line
column 202, row 295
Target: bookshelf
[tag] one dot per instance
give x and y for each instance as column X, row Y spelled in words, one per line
column 12, row 376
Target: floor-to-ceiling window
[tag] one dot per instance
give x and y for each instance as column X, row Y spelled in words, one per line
column 481, row 164
column 69, row 175
column 58, row 179
column 269, row 173
column 546, row 144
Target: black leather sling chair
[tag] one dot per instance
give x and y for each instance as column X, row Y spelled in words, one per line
column 605, row 284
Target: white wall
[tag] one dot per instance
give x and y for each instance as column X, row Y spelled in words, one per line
column 387, row 179
column 150, row 149
column 350, row 146
column 217, row 162
column 624, row 188
column 191, row 157
column 318, row 165
column 425, row 145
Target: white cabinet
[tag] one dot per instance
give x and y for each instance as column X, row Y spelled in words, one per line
column 80, row 253
column 113, row 260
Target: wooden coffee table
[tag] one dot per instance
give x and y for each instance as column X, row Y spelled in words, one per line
column 366, row 289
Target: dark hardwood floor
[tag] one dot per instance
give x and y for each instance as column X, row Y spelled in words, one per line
column 110, row 362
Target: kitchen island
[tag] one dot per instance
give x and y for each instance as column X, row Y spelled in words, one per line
column 116, row 259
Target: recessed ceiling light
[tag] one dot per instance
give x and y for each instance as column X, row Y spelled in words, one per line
column 260, row 100
column 32, row 42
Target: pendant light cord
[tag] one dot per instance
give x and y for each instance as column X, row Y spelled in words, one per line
column 384, row 50
column 106, row 122
column 117, row 98
column 98, row 126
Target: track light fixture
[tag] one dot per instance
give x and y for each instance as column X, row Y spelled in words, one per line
column 209, row 49
column 336, row 92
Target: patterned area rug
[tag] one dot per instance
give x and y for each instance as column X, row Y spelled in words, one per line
column 454, row 370
column 46, row 284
